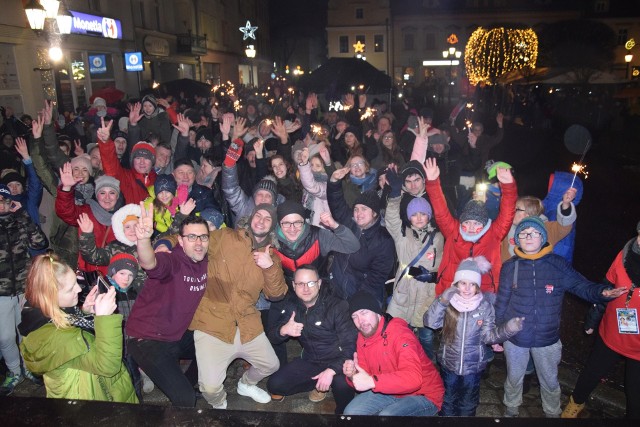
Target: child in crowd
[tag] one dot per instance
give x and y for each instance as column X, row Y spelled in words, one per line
column 467, row 319
column 169, row 201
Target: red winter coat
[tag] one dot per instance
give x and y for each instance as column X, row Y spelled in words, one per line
column 627, row 345
column 68, row 211
column 398, row 363
column 133, row 185
column 456, row 248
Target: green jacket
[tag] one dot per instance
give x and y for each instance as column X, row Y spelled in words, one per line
column 78, row 365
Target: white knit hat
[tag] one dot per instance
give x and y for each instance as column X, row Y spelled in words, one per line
column 472, row 269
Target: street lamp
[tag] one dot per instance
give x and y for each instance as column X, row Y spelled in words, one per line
column 628, row 58
column 251, row 53
column 449, row 54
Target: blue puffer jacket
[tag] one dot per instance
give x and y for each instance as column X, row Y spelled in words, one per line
column 533, row 287
column 559, row 183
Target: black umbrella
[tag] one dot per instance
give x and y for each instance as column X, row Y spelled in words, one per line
column 188, row 86
column 340, row 75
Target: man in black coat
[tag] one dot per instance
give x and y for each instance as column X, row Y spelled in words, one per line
column 322, row 324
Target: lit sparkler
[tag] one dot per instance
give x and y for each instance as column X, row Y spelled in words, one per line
column 369, row 112
column 577, row 168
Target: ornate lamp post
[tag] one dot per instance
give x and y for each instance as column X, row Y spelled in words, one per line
column 450, row 54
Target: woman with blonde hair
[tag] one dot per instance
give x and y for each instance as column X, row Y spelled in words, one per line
column 78, row 351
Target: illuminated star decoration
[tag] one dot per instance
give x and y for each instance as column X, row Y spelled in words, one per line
column 248, row 31
column 358, row 47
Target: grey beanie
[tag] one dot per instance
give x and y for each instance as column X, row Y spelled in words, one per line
column 269, row 184
column 475, row 210
column 107, row 181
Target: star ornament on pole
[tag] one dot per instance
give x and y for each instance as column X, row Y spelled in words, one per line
column 248, row 31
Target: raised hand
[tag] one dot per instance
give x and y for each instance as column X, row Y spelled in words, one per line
column 311, row 102
column 500, row 119
column 104, row 132
column 327, row 220
column 225, row 126
column 304, row 156
column 568, row 197
column 164, row 103
column 324, row 153
column 85, row 223
column 258, row 147
column 47, row 112
column 183, row 125
column 37, row 125
column 240, row 128
column 293, row 126
column 473, row 139
column 431, row 169
column 77, row 148
column 187, row 206
column 448, row 294
column 263, row 258
column 279, row 130
column 423, row 128
column 144, row 227
column 504, row 175
column 66, row 177
column 21, row 148
column 292, row 328
column 135, row 113
column 106, row 303
column 349, row 100
column 338, row 174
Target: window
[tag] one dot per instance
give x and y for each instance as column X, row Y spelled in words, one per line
column 623, row 36
column 378, row 43
column 408, row 41
column 430, row 41
column 359, row 13
column 344, row 44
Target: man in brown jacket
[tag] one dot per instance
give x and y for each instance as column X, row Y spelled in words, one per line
column 227, row 325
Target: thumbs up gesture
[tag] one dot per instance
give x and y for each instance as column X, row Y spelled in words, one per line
column 362, row 381
column 263, row 258
column 292, row 328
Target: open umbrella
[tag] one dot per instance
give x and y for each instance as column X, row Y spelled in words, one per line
column 340, row 75
column 110, row 94
column 190, row 88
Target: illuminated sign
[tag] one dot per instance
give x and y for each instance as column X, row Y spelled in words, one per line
column 97, row 64
column 92, row 25
column 133, row 61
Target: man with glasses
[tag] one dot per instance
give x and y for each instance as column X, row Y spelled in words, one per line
column 157, row 325
column 533, row 284
column 227, row 325
column 321, row 323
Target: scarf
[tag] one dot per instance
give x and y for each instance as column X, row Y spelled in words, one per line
column 292, row 245
column 464, row 305
column 77, row 318
column 320, row 176
column 82, row 193
column 367, row 182
column 101, row 215
column 475, row 237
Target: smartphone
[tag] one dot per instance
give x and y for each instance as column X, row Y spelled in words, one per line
column 103, row 285
column 481, row 189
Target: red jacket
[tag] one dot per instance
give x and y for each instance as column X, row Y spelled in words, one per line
column 68, row 211
column 398, row 363
column 628, row 344
column 132, row 184
column 456, row 248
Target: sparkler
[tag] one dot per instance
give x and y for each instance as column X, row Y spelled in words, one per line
column 369, row 112
column 580, row 167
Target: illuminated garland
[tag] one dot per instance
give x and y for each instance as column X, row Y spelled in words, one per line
column 491, row 53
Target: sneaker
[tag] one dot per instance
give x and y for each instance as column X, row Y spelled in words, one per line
column 317, row 396
column 511, row 412
column 277, row 397
column 254, row 392
column 573, row 409
column 37, row 380
column 223, row 405
column 10, row 383
column 147, row 384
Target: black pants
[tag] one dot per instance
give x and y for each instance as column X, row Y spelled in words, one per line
column 296, row 376
column 160, row 360
column 272, row 319
column 600, row 362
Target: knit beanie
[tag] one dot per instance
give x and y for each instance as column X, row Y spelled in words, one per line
column 144, row 149
column 531, row 221
column 150, row 98
column 213, row 216
column 472, row 269
column 107, row 181
column 353, row 130
column 13, row 177
column 411, row 168
column 165, row 182
column 369, row 199
column 269, row 184
column 84, row 161
column 419, row 204
column 289, row 207
column 123, row 123
column 123, row 261
column 269, row 208
column 6, row 193
column 99, row 102
column 204, row 132
column 475, row 210
column 438, row 139
column 119, row 134
column 363, row 300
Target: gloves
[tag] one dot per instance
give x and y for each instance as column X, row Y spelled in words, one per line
column 514, row 325
column 448, row 294
column 395, row 182
column 233, row 152
column 421, row 274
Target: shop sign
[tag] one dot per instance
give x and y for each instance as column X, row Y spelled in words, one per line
column 156, row 46
column 97, row 64
column 92, row 25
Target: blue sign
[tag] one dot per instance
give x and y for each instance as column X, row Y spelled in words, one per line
column 93, row 25
column 133, row 61
column 97, row 64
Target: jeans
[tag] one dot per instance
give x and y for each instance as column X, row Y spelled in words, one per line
column 546, row 361
column 370, row 403
column 295, row 377
column 600, row 362
column 10, row 317
column 427, row 341
column 461, row 394
column 160, row 360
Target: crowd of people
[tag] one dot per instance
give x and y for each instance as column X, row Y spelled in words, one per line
column 218, row 228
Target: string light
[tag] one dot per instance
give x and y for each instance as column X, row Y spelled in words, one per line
column 491, row 53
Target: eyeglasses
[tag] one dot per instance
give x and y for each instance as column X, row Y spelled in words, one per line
column 193, row 237
column 532, row 235
column 310, row 284
column 360, row 164
column 296, row 224
column 387, row 137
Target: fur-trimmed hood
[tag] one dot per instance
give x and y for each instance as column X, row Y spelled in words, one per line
column 118, row 225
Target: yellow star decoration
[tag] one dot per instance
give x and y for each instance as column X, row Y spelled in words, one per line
column 358, row 47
